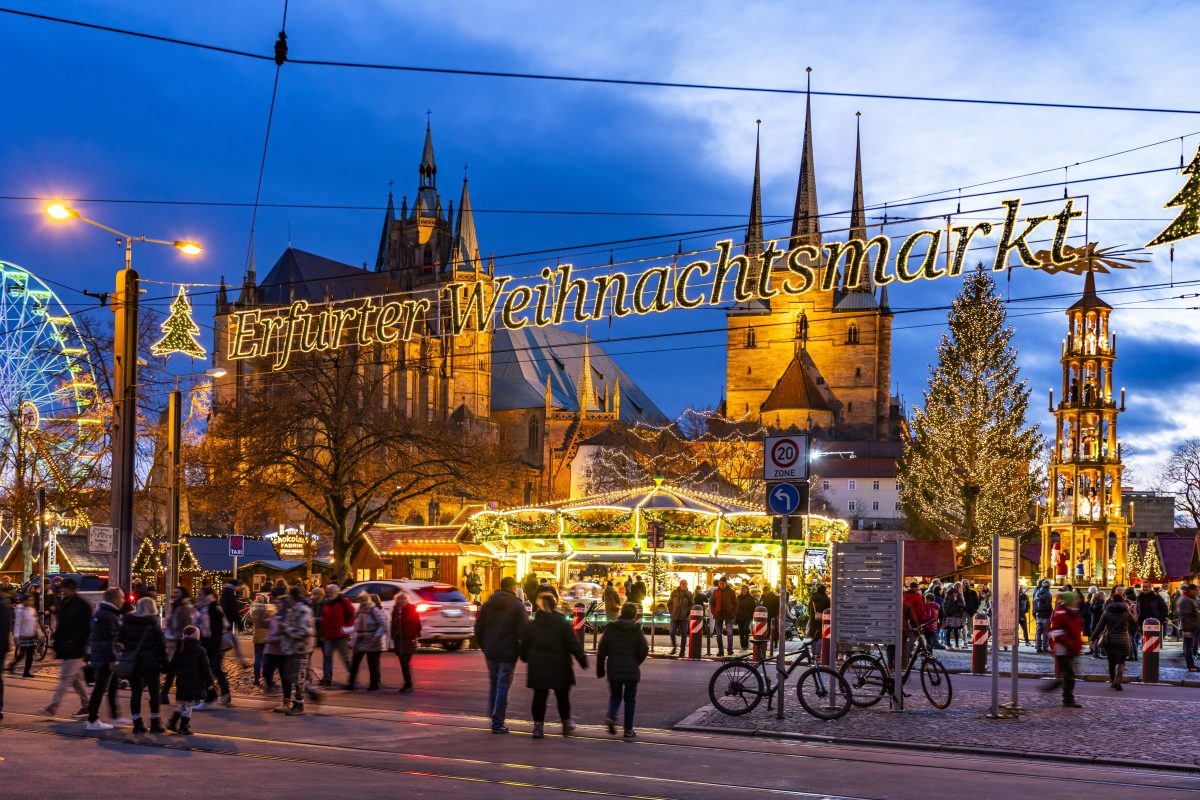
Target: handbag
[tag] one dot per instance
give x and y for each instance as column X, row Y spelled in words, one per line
column 127, row 660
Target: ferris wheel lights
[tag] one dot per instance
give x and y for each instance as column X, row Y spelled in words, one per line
column 61, row 212
column 189, row 248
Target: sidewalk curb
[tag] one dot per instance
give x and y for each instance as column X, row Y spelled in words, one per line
column 688, row 725
column 1086, row 678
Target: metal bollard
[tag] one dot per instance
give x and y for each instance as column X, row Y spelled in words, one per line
column 579, row 623
column 827, row 654
column 695, row 632
column 760, row 634
column 1151, row 643
column 979, row 649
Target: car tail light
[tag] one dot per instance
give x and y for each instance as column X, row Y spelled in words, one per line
column 423, row 607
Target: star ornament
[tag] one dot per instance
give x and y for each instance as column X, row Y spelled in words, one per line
column 1091, row 257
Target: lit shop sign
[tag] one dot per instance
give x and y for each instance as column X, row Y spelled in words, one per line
column 290, row 543
column 278, row 333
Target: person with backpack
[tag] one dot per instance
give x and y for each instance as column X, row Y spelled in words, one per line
column 370, row 630
column 143, row 655
column 297, row 637
column 1043, row 609
column 406, row 630
column 619, row 656
column 106, row 623
column 193, row 677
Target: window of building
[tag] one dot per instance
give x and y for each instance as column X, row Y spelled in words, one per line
column 852, row 506
column 858, row 372
column 825, row 486
column 423, row 569
column 850, row 407
column 820, row 380
column 533, row 433
column 874, row 505
column 875, row 486
column 852, row 484
column 897, row 505
column 852, row 333
column 751, row 340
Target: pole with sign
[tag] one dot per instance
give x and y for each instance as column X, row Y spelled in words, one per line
column 237, row 549
column 783, row 500
column 866, row 603
column 656, row 532
column 1005, row 608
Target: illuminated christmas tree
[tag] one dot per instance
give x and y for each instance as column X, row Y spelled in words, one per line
column 1152, row 563
column 180, row 330
column 969, row 468
column 1133, row 562
column 1188, row 222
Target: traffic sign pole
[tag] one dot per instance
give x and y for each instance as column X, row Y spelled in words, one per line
column 780, row 654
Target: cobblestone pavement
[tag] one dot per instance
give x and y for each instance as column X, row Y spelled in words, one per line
column 1098, row 730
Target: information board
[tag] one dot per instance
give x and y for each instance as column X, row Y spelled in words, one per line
column 100, row 539
column 1004, row 590
column 866, row 599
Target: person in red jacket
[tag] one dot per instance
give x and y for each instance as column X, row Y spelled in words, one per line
column 1066, row 641
column 724, row 611
column 337, row 623
column 406, row 629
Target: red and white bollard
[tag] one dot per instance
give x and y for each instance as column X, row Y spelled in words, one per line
column 760, row 634
column 696, row 632
column 579, row 622
column 979, row 645
column 1151, row 644
column 826, row 656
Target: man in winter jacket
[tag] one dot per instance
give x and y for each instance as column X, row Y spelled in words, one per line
column 724, row 611
column 70, row 641
column 337, row 621
column 1150, row 604
column 637, row 592
column 679, row 604
column 1023, row 614
column 622, row 650
column 1189, row 622
column 1066, row 636
column 1043, row 608
column 104, row 626
column 498, row 631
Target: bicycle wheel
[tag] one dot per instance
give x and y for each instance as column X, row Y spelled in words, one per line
column 866, row 677
column 823, row 693
column 935, row 682
column 41, row 648
column 736, row 688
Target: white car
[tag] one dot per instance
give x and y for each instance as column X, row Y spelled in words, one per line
column 447, row 617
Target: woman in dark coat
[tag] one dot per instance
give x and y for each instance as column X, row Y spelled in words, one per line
column 955, row 609
column 1116, row 624
column 193, row 677
column 406, row 630
column 141, row 634
column 547, row 645
column 622, row 650
column 746, row 603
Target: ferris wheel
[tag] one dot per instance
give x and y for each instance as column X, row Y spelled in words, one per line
column 51, row 418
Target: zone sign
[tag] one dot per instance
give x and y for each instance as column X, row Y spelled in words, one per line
column 786, row 458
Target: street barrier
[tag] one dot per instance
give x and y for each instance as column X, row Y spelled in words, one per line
column 1151, row 643
column 579, row 622
column 979, row 645
column 695, row 632
column 760, row 634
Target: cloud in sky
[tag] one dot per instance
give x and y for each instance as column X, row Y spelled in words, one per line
column 196, row 131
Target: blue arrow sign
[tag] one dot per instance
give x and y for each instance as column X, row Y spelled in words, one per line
column 783, row 499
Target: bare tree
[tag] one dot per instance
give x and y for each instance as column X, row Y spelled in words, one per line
column 1182, row 475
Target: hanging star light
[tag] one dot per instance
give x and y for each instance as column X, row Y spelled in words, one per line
column 180, row 330
column 1090, row 257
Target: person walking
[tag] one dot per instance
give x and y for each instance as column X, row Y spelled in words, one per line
column 637, row 592
column 26, row 633
column 1023, row 614
column 193, row 677
column 724, row 612
column 70, row 639
column 933, row 612
column 231, row 607
column 337, row 623
column 1114, row 630
column 1151, row 605
column 679, row 606
column 261, row 612
column 141, row 640
column 6, row 625
column 1066, row 642
column 370, row 628
column 106, row 622
column 619, row 656
column 1188, row 610
column 612, row 601
column 297, row 640
column 498, row 631
column 746, row 603
column 273, row 655
column 406, row 630
column 1096, row 607
column 1043, row 609
column 547, row 645
column 213, row 626
column 953, row 609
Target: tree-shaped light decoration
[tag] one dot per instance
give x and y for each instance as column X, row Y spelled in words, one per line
column 180, row 330
column 1188, row 222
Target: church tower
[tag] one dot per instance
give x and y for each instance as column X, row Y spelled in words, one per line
column 820, row 361
column 1084, row 521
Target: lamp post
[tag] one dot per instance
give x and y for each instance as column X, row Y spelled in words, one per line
column 124, row 456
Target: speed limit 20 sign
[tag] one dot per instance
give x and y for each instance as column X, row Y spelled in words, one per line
column 786, row 458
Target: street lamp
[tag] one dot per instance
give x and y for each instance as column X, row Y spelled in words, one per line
column 125, row 306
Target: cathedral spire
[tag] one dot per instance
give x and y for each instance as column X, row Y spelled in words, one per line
column 858, row 208
column 754, row 230
column 586, row 395
column 222, row 295
column 466, row 242
column 428, row 168
column 806, row 222
column 389, row 217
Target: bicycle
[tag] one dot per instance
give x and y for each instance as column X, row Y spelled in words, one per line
column 870, row 677
column 43, row 643
column 738, row 686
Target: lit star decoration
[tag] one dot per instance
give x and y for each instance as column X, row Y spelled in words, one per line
column 1188, row 222
column 1090, row 257
column 180, row 330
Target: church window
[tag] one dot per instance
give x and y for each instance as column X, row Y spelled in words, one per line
column 748, row 370
column 802, row 327
column 850, row 407
column 858, row 372
column 875, row 486
column 751, row 337
column 852, row 484
column 852, row 333
column 533, row 433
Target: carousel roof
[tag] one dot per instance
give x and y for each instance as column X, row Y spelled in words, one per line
column 659, row 496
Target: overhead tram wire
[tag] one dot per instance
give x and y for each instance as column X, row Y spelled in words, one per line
column 633, row 82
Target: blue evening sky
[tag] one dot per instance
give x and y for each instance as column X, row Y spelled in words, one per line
column 96, row 115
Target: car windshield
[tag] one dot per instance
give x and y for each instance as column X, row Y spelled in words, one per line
column 440, row 593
